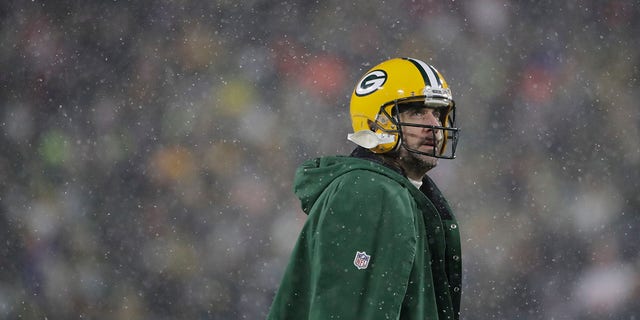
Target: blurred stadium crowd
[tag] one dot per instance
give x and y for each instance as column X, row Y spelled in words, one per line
column 148, row 149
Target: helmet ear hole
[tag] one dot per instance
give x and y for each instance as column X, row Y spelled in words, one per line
column 373, row 126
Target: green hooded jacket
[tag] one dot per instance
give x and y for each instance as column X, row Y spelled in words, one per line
column 373, row 246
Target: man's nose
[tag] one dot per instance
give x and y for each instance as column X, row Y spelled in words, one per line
column 432, row 119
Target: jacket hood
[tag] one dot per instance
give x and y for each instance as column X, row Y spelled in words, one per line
column 315, row 175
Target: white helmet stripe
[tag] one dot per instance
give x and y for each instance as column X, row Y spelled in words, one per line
column 435, row 73
column 432, row 76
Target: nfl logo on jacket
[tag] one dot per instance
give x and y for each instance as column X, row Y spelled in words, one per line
column 361, row 260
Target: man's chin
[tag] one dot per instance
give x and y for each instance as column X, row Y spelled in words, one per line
column 429, row 162
column 421, row 161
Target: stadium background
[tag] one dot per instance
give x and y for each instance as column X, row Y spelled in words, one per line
column 148, row 149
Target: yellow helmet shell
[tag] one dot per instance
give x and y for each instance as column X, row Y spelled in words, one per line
column 390, row 82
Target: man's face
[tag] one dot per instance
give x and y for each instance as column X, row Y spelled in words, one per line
column 425, row 140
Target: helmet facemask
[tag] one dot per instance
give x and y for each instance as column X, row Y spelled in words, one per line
column 444, row 134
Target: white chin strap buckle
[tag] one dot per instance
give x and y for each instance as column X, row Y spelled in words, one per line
column 369, row 139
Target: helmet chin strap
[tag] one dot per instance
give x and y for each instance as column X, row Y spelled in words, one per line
column 369, row 139
column 366, row 139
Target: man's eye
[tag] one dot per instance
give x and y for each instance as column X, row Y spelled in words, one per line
column 418, row 113
column 423, row 113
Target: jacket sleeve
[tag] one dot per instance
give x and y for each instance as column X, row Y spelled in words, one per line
column 366, row 214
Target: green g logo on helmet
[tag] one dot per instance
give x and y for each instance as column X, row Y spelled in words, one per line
column 371, row 82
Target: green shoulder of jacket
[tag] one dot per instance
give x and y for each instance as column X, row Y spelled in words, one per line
column 356, row 251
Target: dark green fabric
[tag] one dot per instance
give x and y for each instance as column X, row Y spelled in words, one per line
column 359, row 205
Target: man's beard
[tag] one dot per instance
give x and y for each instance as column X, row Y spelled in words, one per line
column 417, row 161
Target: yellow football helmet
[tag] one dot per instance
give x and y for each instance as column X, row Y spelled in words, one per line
column 376, row 97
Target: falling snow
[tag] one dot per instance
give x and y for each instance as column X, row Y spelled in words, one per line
column 148, row 149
